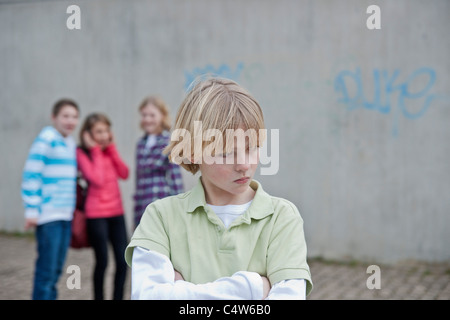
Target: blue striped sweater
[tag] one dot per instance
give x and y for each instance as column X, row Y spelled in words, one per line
column 49, row 177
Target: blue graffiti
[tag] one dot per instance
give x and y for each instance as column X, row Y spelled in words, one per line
column 359, row 99
column 223, row 70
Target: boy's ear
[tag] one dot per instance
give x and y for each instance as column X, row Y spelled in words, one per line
column 193, row 161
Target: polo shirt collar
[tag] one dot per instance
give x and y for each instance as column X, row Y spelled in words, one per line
column 260, row 207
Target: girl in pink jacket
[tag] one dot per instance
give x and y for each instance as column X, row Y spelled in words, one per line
column 101, row 166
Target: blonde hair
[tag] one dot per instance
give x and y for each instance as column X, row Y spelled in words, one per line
column 159, row 103
column 219, row 104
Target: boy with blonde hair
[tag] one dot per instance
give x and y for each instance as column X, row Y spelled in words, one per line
column 226, row 238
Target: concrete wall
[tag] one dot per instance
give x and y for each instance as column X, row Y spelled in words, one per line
column 363, row 114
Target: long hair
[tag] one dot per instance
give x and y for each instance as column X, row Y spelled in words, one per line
column 219, row 104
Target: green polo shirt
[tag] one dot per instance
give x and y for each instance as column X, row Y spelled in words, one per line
column 268, row 238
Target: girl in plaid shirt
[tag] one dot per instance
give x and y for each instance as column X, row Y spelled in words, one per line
column 156, row 177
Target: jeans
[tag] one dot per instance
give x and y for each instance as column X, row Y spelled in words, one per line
column 100, row 231
column 53, row 240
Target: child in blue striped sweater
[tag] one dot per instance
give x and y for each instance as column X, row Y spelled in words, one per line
column 49, row 195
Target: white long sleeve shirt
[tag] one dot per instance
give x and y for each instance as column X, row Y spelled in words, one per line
column 153, row 276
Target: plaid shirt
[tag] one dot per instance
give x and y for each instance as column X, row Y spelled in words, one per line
column 156, row 177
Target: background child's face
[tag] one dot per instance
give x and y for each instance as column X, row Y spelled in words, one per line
column 66, row 120
column 101, row 134
column 151, row 119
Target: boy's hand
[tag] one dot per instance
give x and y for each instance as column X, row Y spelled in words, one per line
column 266, row 287
column 266, row 283
column 30, row 223
column 178, row 275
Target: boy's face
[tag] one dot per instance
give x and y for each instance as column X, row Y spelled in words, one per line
column 66, row 120
column 231, row 178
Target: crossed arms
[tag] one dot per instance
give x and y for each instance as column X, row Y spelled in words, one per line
column 154, row 278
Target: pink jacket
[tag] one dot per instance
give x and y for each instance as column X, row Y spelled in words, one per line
column 102, row 170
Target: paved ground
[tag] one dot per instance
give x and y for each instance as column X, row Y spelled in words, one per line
column 332, row 280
